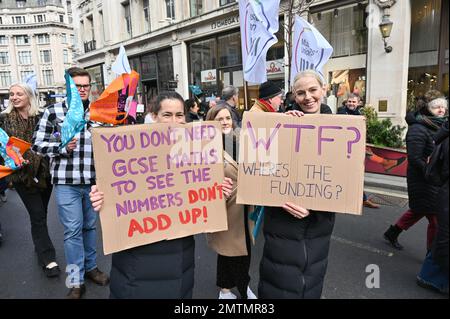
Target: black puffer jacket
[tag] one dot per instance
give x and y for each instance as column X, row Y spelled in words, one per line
column 162, row 270
column 420, row 145
column 440, row 245
column 295, row 256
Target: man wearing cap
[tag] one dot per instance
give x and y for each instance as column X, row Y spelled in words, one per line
column 270, row 98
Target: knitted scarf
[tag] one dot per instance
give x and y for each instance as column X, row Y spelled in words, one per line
column 433, row 122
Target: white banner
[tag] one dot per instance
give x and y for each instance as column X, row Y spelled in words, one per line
column 310, row 49
column 259, row 23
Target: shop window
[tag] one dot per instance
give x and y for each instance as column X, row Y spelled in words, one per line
column 204, row 65
column 230, row 53
column 165, row 69
column 344, row 28
column 424, row 49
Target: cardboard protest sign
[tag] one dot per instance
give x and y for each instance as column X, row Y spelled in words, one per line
column 315, row 161
column 161, row 181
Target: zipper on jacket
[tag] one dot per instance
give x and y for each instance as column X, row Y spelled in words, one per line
column 305, row 252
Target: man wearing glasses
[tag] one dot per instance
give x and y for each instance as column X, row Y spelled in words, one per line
column 73, row 173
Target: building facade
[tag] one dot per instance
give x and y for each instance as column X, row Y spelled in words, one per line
column 177, row 43
column 36, row 36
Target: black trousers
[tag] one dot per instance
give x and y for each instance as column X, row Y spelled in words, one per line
column 233, row 271
column 36, row 202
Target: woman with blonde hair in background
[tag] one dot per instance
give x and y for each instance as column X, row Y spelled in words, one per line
column 32, row 181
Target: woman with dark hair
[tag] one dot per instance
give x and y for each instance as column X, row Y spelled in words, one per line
column 191, row 109
column 233, row 245
column 423, row 124
column 161, row 270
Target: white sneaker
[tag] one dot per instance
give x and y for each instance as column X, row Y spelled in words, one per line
column 227, row 295
column 250, row 294
column 3, row 198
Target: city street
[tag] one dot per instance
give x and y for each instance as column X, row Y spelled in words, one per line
column 357, row 242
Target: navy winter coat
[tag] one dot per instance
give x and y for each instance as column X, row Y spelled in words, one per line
column 162, row 270
column 420, row 145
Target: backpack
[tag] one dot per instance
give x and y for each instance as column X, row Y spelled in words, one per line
column 434, row 168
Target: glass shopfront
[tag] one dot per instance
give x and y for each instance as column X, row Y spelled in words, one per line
column 346, row 31
column 156, row 75
column 424, row 64
column 217, row 62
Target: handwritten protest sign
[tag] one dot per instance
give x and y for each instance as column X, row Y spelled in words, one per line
column 160, row 182
column 315, row 161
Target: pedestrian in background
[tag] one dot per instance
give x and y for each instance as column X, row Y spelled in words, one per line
column 3, row 199
column 270, row 98
column 191, row 108
column 352, row 107
column 230, row 96
column 31, row 181
column 423, row 124
column 435, row 268
column 233, row 245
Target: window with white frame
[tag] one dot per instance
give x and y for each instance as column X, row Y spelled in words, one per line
column 21, row 3
column 3, row 40
column 46, row 56
column 225, row 2
column 5, row 78
column 39, row 18
column 43, row 38
column 24, row 57
column 4, row 58
column 147, row 15
column 47, row 76
column 18, row 20
column 64, row 38
column 170, row 9
column 22, row 39
column 66, row 56
column 127, row 15
column 25, row 74
column 196, row 7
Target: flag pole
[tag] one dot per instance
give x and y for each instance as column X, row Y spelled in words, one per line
column 245, row 96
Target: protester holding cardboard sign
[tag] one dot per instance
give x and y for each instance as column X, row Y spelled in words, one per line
column 233, row 245
column 31, row 181
column 297, row 240
column 164, row 268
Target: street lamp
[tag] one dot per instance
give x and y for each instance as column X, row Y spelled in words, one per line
column 386, row 24
column 386, row 28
